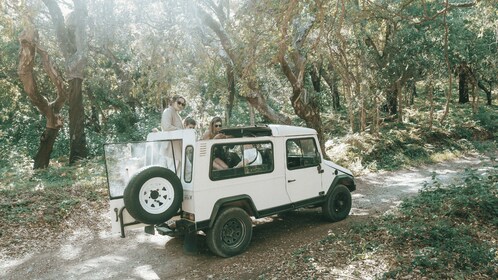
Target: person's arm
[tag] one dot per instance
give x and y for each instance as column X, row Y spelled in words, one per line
column 206, row 135
column 166, row 120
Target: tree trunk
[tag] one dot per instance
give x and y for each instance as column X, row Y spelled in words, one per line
column 291, row 49
column 376, row 121
column 47, row 140
column 399, row 94
column 316, row 76
column 392, row 101
column 463, row 91
column 413, row 93
column 309, row 113
column 475, row 99
column 431, row 102
column 71, row 35
column 448, row 66
column 252, row 120
column 76, row 121
column 330, row 78
column 231, row 89
column 28, row 40
column 487, row 91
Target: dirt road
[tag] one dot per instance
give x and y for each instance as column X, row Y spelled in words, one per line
column 94, row 254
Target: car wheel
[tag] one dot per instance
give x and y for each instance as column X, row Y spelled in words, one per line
column 231, row 233
column 153, row 195
column 338, row 204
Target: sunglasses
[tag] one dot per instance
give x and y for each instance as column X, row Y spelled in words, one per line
column 180, row 103
column 217, row 125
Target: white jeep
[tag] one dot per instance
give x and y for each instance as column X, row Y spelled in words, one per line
column 170, row 184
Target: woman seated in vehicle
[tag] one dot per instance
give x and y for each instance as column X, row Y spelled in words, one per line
column 251, row 157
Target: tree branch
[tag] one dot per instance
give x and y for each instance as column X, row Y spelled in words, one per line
column 27, row 40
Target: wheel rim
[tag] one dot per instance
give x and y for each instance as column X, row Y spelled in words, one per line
column 341, row 203
column 233, row 232
column 156, row 195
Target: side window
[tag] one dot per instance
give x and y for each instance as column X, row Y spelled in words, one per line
column 189, row 160
column 241, row 159
column 302, row 153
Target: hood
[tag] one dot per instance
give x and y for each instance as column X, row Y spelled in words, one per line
column 338, row 167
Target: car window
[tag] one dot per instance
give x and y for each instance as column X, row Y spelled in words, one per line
column 233, row 160
column 302, row 153
column 189, row 160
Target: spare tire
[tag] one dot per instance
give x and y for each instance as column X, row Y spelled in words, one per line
column 153, row 195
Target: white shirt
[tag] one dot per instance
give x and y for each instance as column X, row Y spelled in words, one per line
column 171, row 120
column 252, row 156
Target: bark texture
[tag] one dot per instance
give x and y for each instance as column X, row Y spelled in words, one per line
column 293, row 64
column 71, row 36
column 50, row 110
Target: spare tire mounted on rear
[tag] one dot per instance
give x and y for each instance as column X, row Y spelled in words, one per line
column 153, row 195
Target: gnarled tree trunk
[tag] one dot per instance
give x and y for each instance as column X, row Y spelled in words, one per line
column 71, row 34
column 50, row 110
column 304, row 106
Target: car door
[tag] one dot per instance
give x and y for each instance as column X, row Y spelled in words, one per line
column 303, row 172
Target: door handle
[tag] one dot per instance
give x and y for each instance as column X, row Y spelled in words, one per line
column 290, row 181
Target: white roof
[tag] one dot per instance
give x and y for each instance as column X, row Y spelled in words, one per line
column 289, row 130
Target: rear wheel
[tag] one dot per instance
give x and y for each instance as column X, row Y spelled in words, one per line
column 231, row 233
column 338, row 204
column 153, row 195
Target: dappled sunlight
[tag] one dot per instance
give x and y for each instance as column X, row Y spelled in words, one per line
column 358, row 212
column 106, row 265
column 157, row 240
column 264, row 220
column 69, row 252
column 8, row 264
column 369, row 265
column 145, row 272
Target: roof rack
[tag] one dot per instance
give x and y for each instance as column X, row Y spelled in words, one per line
column 248, row 131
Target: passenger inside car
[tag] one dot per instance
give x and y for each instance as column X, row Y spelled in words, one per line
column 251, row 157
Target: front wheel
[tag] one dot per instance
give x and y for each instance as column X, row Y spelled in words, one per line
column 231, row 233
column 338, row 204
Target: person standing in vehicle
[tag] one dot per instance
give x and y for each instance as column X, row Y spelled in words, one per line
column 170, row 119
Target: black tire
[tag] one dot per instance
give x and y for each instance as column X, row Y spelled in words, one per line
column 338, row 204
column 231, row 233
column 153, row 195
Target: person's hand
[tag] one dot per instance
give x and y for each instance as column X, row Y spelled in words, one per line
column 220, row 136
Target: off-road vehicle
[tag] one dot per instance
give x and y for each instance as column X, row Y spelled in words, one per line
column 169, row 184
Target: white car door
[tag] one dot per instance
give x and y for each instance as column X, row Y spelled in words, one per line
column 303, row 175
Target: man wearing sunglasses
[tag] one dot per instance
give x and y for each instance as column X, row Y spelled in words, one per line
column 170, row 119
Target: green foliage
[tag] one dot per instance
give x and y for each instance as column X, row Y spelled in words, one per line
column 488, row 119
column 449, row 228
column 444, row 232
column 412, row 143
column 47, row 197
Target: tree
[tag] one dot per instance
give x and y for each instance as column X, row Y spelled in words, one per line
column 50, row 110
column 71, row 36
column 240, row 61
column 294, row 29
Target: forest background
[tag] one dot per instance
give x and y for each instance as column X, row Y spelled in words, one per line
column 386, row 84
